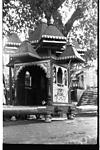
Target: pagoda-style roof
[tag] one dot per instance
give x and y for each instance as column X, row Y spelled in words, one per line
column 12, row 44
column 47, row 37
column 26, row 49
column 45, row 42
column 10, row 49
column 70, row 53
column 35, row 36
column 13, row 39
column 25, row 53
column 78, row 48
column 53, row 33
column 47, row 34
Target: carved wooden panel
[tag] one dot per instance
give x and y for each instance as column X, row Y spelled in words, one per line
column 47, row 69
column 44, row 65
column 17, row 69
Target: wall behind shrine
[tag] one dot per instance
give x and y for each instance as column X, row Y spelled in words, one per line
column 60, row 84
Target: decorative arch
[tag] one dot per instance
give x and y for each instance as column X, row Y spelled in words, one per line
column 65, row 77
column 54, row 74
column 59, row 75
column 28, row 79
column 45, row 66
column 37, row 91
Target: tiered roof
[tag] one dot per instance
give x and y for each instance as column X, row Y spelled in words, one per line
column 13, row 39
column 70, row 53
column 46, row 31
column 36, row 35
column 25, row 53
column 12, row 44
column 26, row 49
column 78, row 48
column 47, row 37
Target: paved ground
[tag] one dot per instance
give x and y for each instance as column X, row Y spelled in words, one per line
column 80, row 130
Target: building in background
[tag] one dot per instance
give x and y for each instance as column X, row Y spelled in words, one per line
column 83, row 80
column 10, row 47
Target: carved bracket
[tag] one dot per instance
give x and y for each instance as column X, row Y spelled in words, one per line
column 44, row 65
column 17, row 69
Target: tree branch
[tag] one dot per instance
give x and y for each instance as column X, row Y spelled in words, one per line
column 78, row 13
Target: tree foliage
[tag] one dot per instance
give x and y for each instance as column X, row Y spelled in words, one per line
column 85, row 29
column 26, row 13
column 82, row 26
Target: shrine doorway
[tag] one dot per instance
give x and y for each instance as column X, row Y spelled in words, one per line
column 32, row 86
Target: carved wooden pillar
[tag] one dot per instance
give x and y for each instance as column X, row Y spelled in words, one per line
column 16, row 71
column 15, row 87
column 10, row 85
column 69, row 83
column 49, row 101
column 47, row 67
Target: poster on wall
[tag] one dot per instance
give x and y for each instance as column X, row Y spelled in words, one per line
column 60, row 95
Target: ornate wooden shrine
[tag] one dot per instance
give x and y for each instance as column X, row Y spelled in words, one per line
column 41, row 67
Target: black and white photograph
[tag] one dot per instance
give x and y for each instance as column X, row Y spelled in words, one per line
column 50, row 72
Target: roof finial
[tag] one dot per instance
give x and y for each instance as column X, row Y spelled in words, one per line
column 51, row 20
column 27, row 34
column 43, row 19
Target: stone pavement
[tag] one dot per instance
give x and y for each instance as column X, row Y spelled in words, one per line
column 81, row 130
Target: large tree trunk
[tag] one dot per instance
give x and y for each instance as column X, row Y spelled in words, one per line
column 78, row 13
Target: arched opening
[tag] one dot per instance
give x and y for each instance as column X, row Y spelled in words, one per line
column 31, row 86
column 28, row 80
column 59, row 75
column 65, row 77
column 54, row 74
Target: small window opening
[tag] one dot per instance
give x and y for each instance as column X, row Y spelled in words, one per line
column 54, row 74
column 28, row 82
column 59, row 75
column 65, row 77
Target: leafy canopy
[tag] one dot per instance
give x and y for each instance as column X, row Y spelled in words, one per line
column 81, row 26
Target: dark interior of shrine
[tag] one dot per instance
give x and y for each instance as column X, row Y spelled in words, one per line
column 31, row 86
